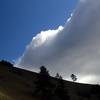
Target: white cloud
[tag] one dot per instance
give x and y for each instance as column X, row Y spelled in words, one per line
column 44, row 36
column 74, row 48
column 89, row 78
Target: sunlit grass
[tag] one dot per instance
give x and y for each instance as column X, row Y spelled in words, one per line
column 4, row 97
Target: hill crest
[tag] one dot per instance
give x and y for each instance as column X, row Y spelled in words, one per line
column 19, row 84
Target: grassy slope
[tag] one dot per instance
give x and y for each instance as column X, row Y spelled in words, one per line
column 18, row 84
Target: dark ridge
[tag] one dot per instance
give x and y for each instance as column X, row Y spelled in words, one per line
column 20, row 84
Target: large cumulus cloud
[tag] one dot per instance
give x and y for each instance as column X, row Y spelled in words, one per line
column 74, row 48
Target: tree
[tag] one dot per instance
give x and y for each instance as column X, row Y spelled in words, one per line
column 6, row 63
column 44, row 71
column 43, row 85
column 73, row 77
column 61, row 90
column 58, row 76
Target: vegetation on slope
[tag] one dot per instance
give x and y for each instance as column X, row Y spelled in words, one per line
column 19, row 84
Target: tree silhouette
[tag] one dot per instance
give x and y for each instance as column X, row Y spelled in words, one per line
column 58, row 76
column 44, row 71
column 6, row 63
column 60, row 90
column 43, row 85
column 73, row 77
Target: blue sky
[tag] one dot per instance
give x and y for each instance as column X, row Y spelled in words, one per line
column 20, row 20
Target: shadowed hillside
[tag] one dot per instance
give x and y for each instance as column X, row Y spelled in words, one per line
column 19, row 84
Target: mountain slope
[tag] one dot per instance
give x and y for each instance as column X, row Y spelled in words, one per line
column 18, row 84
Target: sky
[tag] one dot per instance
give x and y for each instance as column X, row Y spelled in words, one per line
column 20, row 20
column 64, row 37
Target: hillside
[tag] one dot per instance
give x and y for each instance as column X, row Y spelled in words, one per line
column 19, row 84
